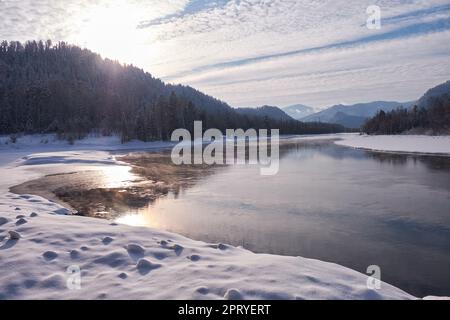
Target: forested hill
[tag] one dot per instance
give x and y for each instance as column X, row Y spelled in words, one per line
column 274, row 113
column 430, row 114
column 72, row 91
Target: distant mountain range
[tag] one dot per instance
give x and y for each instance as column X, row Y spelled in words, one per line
column 353, row 116
column 349, row 116
column 298, row 111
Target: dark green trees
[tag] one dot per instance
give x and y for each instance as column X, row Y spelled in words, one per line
column 72, row 92
column 434, row 118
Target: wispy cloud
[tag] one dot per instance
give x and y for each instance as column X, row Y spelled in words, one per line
column 400, row 33
column 251, row 52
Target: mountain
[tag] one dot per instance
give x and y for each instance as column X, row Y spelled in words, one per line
column 356, row 114
column 360, row 110
column 429, row 115
column 298, row 111
column 435, row 92
column 71, row 91
column 348, row 121
column 274, row 113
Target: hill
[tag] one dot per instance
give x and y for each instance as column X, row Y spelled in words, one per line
column 270, row 112
column 435, row 92
column 431, row 115
column 348, row 121
column 72, row 91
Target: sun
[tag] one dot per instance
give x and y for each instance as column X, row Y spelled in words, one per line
column 111, row 30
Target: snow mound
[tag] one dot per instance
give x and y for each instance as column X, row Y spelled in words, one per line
column 62, row 211
column 144, row 266
column 14, row 235
column 21, row 221
column 107, row 240
column 3, row 221
column 135, row 251
column 50, row 255
column 233, row 294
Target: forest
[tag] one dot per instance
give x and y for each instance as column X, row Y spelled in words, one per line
column 64, row 89
column 433, row 118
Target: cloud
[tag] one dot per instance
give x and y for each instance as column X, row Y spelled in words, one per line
column 306, row 31
column 31, row 19
column 250, row 52
column 400, row 33
column 391, row 71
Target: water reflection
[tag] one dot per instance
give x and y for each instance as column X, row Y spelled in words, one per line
column 352, row 207
column 117, row 176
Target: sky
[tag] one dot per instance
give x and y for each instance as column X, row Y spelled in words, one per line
column 257, row 52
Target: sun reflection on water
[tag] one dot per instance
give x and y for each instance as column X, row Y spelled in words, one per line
column 140, row 218
column 135, row 220
column 117, row 176
column 151, row 216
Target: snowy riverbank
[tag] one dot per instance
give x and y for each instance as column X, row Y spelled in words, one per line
column 399, row 143
column 123, row 262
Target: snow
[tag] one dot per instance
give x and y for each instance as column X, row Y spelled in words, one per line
column 41, row 250
column 29, row 144
column 399, row 143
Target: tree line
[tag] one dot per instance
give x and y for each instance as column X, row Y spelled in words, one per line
column 64, row 89
column 434, row 118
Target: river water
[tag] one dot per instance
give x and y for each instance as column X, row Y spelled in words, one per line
column 328, row 202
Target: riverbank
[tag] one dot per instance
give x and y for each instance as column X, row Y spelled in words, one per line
column 38, row 243
column 419, row 144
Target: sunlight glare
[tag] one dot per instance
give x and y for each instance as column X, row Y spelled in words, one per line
column 111, row 31
column 117, row 176
column 134, row 220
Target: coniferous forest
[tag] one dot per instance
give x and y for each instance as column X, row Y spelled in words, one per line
column 434, row 118
column 64, row 89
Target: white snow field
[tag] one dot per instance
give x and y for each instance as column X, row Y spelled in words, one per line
column 40, row 247
column 398, row 143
